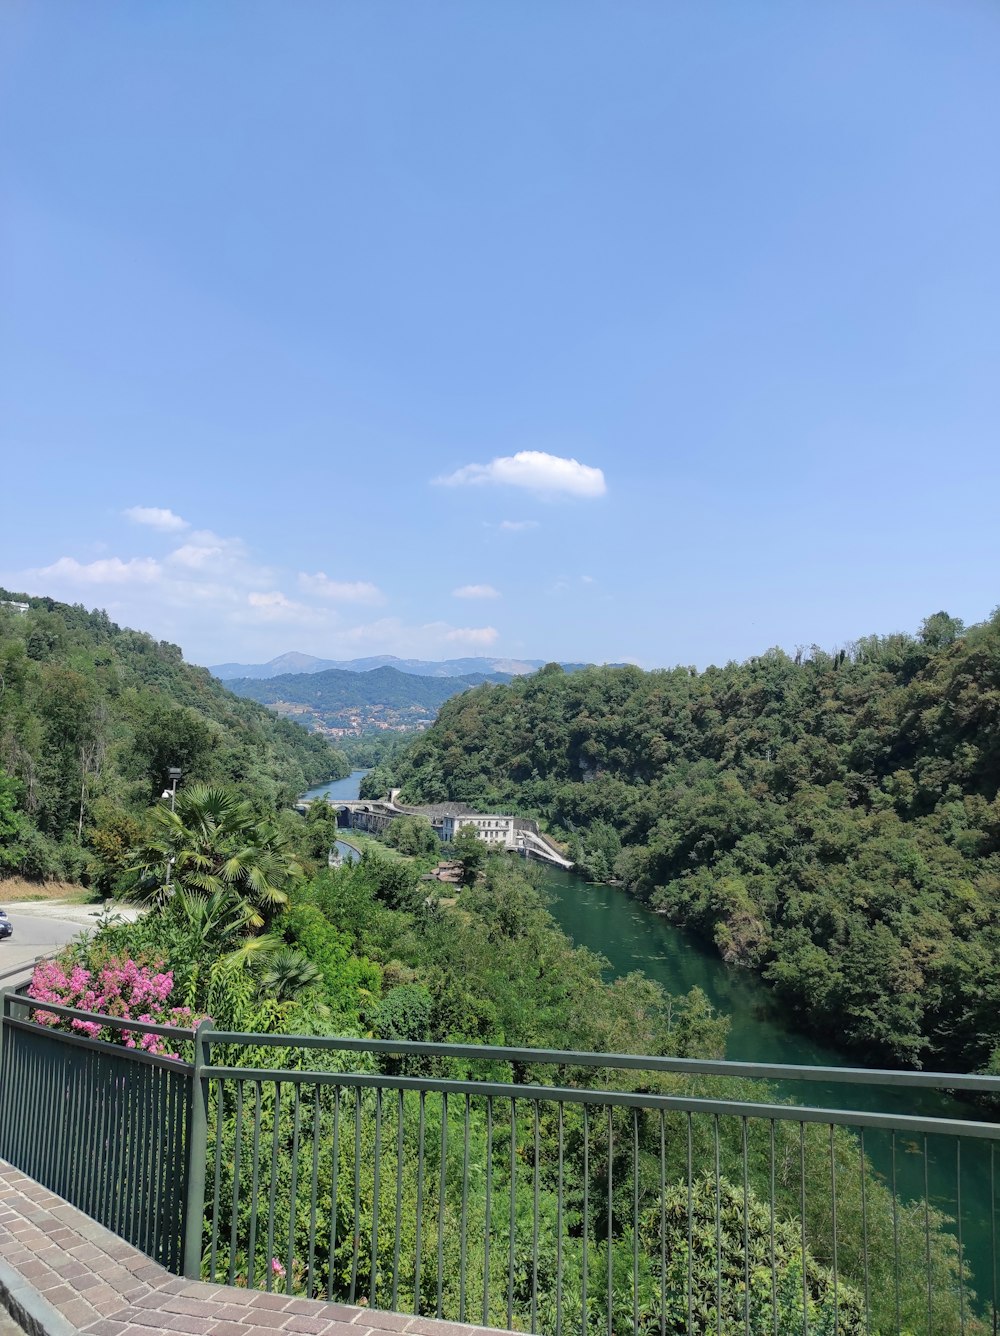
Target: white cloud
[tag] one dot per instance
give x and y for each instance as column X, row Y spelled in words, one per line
column 340, row 591
column 104, row 571
column 196, row 556
column 212, row 597
column 389, row 635
column 516, row 526
column 271, row 605
column 473, row 635
column 205, row 548
column 534, row 470
column 156, row 517
column 475, row 591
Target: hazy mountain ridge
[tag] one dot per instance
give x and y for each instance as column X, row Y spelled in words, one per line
column 295, row 663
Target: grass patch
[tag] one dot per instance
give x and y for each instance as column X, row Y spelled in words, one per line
column 18, row 890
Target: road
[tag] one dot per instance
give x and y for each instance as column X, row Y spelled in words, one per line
column 40, row 928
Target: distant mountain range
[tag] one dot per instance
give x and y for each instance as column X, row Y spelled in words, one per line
column 343, row 701
column 294, row 663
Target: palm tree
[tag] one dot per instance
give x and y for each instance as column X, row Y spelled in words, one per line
column 214, row 847
column 285, row 973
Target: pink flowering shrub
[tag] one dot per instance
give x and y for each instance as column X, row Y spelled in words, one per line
column 119, row 987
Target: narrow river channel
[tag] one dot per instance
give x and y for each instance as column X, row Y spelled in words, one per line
column 630, row 937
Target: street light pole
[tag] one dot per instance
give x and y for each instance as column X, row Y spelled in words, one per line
column 173, row 774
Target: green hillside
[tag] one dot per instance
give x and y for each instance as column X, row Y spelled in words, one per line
column 830, row 820
column 91, row 716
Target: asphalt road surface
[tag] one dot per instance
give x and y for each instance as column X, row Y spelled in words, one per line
column 35, row 934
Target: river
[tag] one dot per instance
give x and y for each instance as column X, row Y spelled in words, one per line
column 341, row 788
column 610, row 923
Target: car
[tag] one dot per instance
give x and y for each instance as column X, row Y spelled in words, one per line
column 6, row 927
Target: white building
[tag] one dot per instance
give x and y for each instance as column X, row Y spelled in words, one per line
column 494, row 830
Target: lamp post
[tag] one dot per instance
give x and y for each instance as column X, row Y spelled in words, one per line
column 173, row 774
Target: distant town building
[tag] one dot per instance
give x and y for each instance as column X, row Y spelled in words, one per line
column 20, row 608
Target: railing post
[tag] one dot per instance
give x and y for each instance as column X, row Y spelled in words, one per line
column 197, row 1155
column 4, row 1007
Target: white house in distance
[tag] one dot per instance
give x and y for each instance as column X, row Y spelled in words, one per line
column 491, row 829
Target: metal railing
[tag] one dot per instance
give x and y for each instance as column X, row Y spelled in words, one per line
column 542, row 1190
column 102, row 1125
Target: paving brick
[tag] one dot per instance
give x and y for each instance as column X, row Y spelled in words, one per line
column 77, row 1311
column 195, row 1326
column 426, row 1326
column 85, row 1252
column 29, row 1269
column 71, row 1268
column 273, row 1302
column 175, row 1286
column 56, row 1293
column 151, row 1299
column 230, row 1312
column 175, row 1303
column 104, row 1287
column 371, row 1317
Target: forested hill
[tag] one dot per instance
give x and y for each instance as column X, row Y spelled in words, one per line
column 91, row 716
column 330, row 695
column 831, row 820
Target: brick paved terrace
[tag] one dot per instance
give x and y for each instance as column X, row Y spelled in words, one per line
column 61, row 1273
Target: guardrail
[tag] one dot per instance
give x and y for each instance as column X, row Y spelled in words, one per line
column 103, row 1126
column 541, row 1190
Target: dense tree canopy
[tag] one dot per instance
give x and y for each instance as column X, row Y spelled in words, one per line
column 91, row 716
column 831, row 820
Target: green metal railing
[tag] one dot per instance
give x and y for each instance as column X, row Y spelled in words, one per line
column 540, row 1190
column 103, row 1126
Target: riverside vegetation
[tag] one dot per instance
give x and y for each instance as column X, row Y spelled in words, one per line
column 829, row 820
column 257, row 936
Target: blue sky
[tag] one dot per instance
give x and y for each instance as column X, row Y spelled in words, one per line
column 655, row 331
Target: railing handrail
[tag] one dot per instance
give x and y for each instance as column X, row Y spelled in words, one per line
column 723, row 1067
column 620, row 1061
column 795, row 1113
column 103, row 1045
column 101, row 1018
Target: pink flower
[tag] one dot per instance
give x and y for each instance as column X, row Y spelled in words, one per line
column 276, row 1267
column 121, row 988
